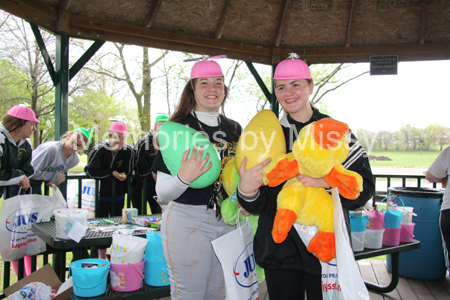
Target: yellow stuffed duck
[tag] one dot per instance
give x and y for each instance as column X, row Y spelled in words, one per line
column 319, row 152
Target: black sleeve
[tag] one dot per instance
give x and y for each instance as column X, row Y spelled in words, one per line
column 25, row 163
column 258, row 205
column 159, row 165
column 358, row 161
column 127, row 165
column 145, row 156
column 94, row 167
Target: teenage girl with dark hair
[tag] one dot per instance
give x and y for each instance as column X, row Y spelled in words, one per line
column 189, row 224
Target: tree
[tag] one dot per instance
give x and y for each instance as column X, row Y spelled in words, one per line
column 12, row 92
column 20, row 49
column 326, row 80
column 89, row 111
column 385, row 138
column 407, row 135
column 366, row 138
column 143, row 96
column 442, row 136
column 24, row 76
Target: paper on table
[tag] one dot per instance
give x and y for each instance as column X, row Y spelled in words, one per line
column 77, row 232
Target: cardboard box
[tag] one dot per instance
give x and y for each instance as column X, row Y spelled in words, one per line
column 46, row 275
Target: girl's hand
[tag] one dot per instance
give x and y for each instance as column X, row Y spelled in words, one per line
column 312, row 182
column 119, row 176
column 243, row 211
column 24, row 183
column 252, row 178
column 194, row 167
column 62, row 179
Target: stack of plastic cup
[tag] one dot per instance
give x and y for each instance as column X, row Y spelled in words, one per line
column 392, row 223
column 375, row 229
column 358, row 222
column 407, row 225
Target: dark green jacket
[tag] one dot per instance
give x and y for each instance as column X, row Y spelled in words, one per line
column 15, row 160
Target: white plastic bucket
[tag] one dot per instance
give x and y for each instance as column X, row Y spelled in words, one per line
column 358, row 241
column 66, row 218
column 374, row 238
column 127, row 249
column 408, row 215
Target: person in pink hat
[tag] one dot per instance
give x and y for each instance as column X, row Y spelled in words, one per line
column 290, row 270
column 191, row 219
column 15, row 155
column 18, row 125
column 111, row 160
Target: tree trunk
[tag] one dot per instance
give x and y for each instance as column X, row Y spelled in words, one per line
column 146, row 91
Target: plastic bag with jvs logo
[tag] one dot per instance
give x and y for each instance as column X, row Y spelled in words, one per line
column 18, row 214
column 235, row 253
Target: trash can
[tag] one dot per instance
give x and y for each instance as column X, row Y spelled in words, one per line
column 427, row 262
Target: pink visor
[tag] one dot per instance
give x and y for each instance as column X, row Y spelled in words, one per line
column 292, row 69
column 118, row 127
column 23, row 113
column 206, row 68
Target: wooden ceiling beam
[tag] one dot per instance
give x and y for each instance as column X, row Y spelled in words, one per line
column 168, row 45
column 349, row 27
column 286, row 4
column 65, row 4
column 424, row 21
column 42, row 15
column 407, row 57
column 63, row 24
column 368, row 50
column 152, row 13
column 111, row 27
column 223, row 17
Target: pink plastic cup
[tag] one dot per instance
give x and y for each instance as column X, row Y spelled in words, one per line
column 391, row 236
column 375, row 220
column 407, row 233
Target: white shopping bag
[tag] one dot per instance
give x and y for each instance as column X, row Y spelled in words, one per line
column 18, row 214
column 341, row 279
column 235, row 253
column 87, row 196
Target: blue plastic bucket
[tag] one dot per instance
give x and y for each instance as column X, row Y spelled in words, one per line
column 155, row 265
column 427, row 262
column 358, row 222
column 156, row 273
column 154, row 249
column 89, row 282
column 393, row 218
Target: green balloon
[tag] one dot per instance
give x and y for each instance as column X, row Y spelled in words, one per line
column 175, row 138
column 229, row 210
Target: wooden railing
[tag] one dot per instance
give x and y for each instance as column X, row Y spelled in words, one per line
column 381, row 193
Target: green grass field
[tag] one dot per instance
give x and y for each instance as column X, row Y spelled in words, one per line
column 405, row 158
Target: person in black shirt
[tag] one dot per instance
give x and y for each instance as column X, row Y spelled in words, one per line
column 189, row 224
column 144, row 155
column 289, row 268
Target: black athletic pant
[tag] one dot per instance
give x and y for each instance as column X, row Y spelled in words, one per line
column 292, row 285
column 444, row 223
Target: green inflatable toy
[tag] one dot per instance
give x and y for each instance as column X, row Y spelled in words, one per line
column 175, row 138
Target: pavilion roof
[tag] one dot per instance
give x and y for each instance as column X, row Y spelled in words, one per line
column 261, row 31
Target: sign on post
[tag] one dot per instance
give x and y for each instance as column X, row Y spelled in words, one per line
column 383, row 64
